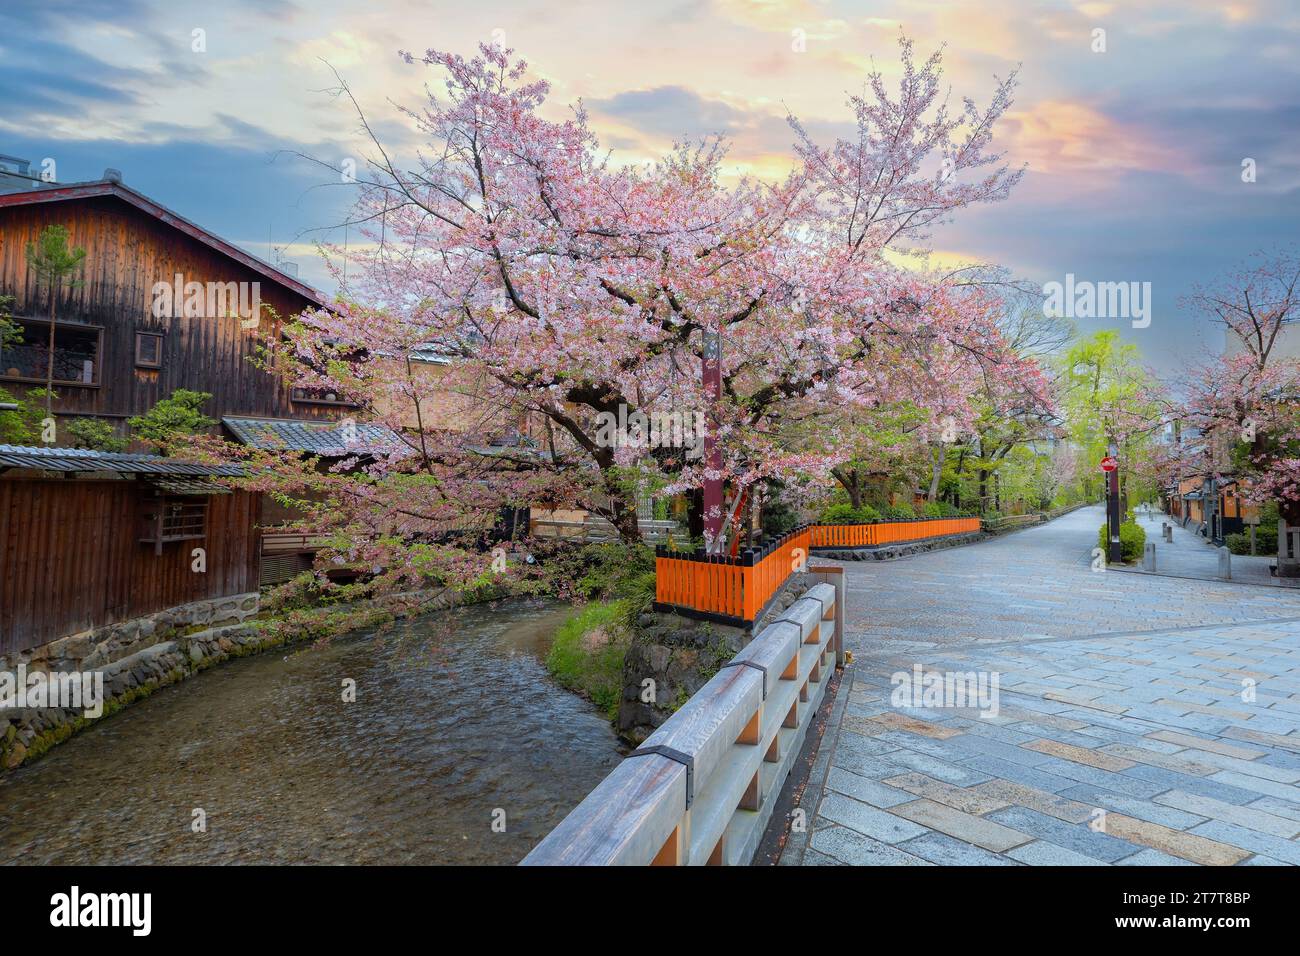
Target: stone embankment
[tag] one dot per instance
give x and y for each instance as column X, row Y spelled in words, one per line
column 678, row 655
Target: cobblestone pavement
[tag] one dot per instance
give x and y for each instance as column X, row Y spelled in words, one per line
column 1137, row 720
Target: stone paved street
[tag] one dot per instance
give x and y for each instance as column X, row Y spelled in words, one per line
column 1139, row 720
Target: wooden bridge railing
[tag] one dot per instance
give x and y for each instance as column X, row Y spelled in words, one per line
column 702, row 787
column 737, row 590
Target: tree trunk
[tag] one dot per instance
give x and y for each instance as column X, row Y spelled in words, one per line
column 961, row 468
column 851, row 482
column 695, row 513
column 938, row 455
column 49, row 368
column 624, row 520
column 622, row 511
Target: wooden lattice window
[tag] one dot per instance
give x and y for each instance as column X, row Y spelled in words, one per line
column 170, row 518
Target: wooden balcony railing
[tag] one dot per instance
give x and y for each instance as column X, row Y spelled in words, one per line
column 703, row 787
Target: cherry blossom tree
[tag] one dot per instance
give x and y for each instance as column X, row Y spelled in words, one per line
column 1243, row 404
column 558, row 288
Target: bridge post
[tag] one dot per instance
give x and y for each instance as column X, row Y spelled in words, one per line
column 835, row 578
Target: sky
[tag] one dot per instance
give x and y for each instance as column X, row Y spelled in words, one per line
column 1133, row 153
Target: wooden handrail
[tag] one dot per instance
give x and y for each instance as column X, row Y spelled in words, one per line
column 702, row 787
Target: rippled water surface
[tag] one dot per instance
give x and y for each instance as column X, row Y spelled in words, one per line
column 454, row 718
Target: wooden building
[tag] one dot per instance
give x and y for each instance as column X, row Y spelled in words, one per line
column 89, row 539
column 162, row 304
column 1212, row 506
column 158, row 305
column 121, row 341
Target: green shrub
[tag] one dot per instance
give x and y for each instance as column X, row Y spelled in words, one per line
column 610, row 569
column 777, row 516
column 1132, row 540
column 844, row 513
column 638, row 595
column 587, row 656
column 934, row 510
column 22, row 426
column 897, row 512
column 93, row 434
column 172, row 418
column 1265, row 540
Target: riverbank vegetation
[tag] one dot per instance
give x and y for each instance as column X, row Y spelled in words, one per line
column 617, row 584
column 588, row 653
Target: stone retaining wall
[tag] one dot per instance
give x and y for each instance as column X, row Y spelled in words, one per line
column 135, row 658
column 680, row 654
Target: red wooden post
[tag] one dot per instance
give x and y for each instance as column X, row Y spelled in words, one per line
column 712, row 375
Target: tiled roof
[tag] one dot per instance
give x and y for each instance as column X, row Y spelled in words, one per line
column 188, row 486
column 316, row 438
column 62, row 192
column 81, row 459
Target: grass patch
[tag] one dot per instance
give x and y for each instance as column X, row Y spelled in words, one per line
column 587, row 656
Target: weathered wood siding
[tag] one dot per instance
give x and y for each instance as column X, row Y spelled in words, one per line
column 127, row 252
column 71, row 558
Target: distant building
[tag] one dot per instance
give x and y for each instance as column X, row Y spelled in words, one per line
column 18, row 176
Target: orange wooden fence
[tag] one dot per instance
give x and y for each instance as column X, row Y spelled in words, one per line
column 889, row 532
column 738, row 589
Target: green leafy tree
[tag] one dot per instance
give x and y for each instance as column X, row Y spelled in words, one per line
column 172, row 418
column 1110, row 398
column 93, row 434
column 887, row 456
column 21, row 425
column 11, row 333
column 53, row 262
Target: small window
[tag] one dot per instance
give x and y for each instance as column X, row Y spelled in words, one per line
column 148, row 349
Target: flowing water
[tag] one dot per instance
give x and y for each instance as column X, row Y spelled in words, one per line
column 456, row 726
